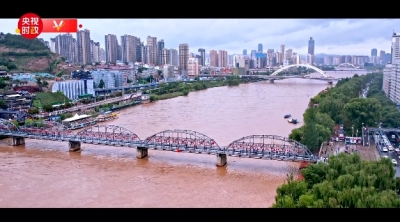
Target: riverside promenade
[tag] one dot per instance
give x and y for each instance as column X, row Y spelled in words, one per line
column 368, row 153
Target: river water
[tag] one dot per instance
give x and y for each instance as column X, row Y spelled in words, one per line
column 45, row 174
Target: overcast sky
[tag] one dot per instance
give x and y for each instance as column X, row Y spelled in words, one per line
column 341, row 37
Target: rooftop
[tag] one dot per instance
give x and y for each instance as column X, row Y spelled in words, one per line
column 77, row 117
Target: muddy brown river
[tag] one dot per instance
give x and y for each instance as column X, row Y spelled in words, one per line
column 45, row 174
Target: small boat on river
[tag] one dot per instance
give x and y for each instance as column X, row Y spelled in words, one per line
column 294, row 121
column 107, row 116
column 287, row 116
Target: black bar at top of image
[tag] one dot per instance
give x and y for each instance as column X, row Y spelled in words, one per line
column 204, row 9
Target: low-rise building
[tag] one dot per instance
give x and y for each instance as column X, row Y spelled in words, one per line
column 145, row 98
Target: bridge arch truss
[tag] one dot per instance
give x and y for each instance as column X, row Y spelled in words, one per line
column 8, row 127
column 108, row 135
column 183, row 141
column 347, row 64
column 269, row 147
column 47, row 130
column 299, row 65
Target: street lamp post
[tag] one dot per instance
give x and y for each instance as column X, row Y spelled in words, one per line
column 362, row 133
column 352, row 131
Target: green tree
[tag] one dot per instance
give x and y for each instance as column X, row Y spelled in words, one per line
column 150, row 78
column 47, row 107
column 3, row 104
column 101, row 84
column 33, row 111
column 360, row 110
column 346, row 182
column 41, row 84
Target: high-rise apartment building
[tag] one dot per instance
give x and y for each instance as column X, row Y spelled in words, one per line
column 311, row 46
column 151, row 50
column 374, row 52
column 394, row 81
column 278, row 57
column 202, row 60
column 289, row 54
column 75, row 43
column 83, row 43
column 174, row 57
column 160, row 48
column 213, row 58
column 311, row 49
column 244, row 51
column 119, row 52
column 129, row 48
column 193, row 68
column 95, row 51
column 270, row 56
column 394, row 94
column 396, row 48
column 282, row 54
column 111, row 48
column 387, row 79
column 183, row 58
column 310, row 60
column 145, row 54
column 64, row 46
column 166, row 57
column 260, row 48
column 102, row 55
column 222, row 58
column 382, row 57
column 140, row 55
column 230, row 60
column 239, row 61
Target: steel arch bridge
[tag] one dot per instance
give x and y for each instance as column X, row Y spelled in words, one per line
column 7, row 127
column 47, row 130
column 345, row 64
column 183, row 140
column 270, row 147
column 299, row 65
column 254, row 146
column 108, row 135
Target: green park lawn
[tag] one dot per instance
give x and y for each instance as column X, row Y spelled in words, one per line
column 43, row 98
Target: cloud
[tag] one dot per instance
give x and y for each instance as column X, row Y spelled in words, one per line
column 334, row 36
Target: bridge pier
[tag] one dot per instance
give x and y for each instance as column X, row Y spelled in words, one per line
column 272, row 80
column 74, row 146
column 16, row 141
column 221, row 159
column 141, row 152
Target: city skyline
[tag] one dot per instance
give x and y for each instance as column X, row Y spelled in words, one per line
column 340, row 36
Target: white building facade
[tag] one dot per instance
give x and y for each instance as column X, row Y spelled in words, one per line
column 391, row 73
column 387, row 78
column 73, row 89
column 111, row 79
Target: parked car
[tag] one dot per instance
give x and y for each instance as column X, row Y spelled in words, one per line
column 394, row 162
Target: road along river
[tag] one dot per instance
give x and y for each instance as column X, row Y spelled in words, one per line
column 45, row 174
